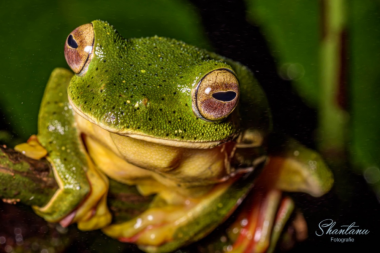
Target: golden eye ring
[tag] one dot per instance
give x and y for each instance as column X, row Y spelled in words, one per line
column 216, row 95
column 78, row 48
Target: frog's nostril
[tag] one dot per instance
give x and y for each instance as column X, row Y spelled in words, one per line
column 71, row 42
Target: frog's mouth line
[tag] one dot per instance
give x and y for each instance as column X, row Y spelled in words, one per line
column 148, row 138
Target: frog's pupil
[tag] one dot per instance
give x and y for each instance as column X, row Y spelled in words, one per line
column 224, row 96
column 72, row 43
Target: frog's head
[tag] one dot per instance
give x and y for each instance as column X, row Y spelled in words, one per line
column 155, row 89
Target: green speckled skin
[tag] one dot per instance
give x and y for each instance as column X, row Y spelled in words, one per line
column 144, row 86
column 58, row 134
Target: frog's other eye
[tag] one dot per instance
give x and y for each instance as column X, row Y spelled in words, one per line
column 78, row 47
column 216, row 95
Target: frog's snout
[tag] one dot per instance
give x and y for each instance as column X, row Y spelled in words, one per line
column 78, row 48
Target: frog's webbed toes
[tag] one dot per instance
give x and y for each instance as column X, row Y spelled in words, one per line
column 93, row 213
column 100, row 217
column 260, row 224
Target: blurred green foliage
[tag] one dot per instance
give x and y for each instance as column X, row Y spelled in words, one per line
column 33, row 35
column 364, row 78
column 292, row 29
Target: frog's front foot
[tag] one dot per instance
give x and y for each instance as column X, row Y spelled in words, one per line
column 86, row 194
column 93, row 212
column 261, row 222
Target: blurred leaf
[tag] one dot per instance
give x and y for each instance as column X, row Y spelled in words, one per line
column 292, row 31
column 365, row 86
column 33, row 35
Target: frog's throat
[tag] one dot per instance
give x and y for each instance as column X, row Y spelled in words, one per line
column 148, row 138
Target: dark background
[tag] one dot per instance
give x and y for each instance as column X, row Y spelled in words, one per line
column 279, row 40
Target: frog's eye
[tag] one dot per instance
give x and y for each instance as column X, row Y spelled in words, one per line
column 216, row 95
column 78, row 47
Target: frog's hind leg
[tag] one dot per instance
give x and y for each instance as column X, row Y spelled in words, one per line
column 81, row 185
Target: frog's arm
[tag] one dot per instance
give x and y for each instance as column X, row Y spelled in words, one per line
column 74, row 171
column 294, row 168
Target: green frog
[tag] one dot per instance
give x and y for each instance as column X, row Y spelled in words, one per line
column 181, row 123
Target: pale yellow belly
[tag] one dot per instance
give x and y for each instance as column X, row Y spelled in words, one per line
column 153, row 166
